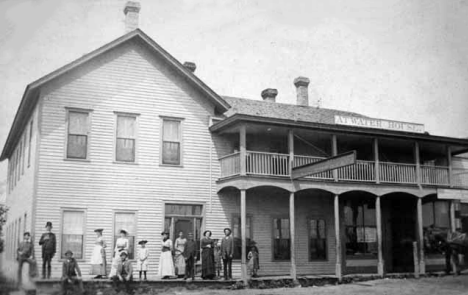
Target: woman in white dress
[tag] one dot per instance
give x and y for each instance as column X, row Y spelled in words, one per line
column 121, row 244
column 179, row 260
column 98, row 258
column 166, row 265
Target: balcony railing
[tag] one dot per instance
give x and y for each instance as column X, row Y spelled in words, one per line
column 272, row 164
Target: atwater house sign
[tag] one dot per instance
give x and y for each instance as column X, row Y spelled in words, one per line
column 379, row 124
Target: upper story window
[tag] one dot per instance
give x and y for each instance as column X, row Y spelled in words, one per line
column 78, row 129
column 126, row 138
column 30, row 142
column 172, row 141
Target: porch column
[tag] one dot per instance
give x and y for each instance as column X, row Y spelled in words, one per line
column 378, row 218
column 338, row 271
column 291, row 150
column 334, row 153
column 418, row 163
column 450, row 168
column 292, row 235
column 243, row 149
column 243, row 235
column 422, row 263
column 376, row 160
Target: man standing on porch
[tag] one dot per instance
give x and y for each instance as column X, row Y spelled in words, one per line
column 48, row 244
column 227, row 250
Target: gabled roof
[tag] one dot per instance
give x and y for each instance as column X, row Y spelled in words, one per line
column 276, row 110
column 30, row 94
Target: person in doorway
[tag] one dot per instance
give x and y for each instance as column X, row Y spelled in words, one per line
column 190, row 255
column 208, row 267
column 179, row 260
column 142, row 262
column 124, row 273
column 166, row 264
column 71, row 273
column 48, row 243
column 227, row 251
column 98, row 258
column 25, row 253
column 122, row 244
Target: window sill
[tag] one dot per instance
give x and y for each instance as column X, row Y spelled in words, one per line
column 170, row 165
column 361, row 257
column 77, row 160
column 125, row 163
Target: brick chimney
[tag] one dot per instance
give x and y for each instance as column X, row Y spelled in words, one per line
column 131, row 12
column 191, row 66
column 302, row 84
column 269, row 95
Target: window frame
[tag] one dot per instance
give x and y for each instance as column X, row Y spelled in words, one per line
column 309, row 238
column 60, row 238
column 30, row 142
column 135, row 220
column 251, row 231
column 272, row 219
column 181, row 141
column 136, row 139
column 88, row 133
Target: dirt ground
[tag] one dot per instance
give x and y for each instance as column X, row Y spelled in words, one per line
column 448, row 285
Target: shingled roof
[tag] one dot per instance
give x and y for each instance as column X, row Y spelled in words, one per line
column 283, row 111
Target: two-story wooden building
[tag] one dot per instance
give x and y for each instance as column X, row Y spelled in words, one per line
column 128, row 137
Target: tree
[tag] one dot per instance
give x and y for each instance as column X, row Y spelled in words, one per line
column 3, row 211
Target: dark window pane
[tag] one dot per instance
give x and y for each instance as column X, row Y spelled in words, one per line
column 125, row 150
column 281, row 249
column 171, row 153
column 77, row 145
column 183, row 210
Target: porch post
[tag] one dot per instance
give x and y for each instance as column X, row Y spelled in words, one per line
column 418, row 163
column 378, row 217
column 292, row 236
column 422, row 263
column 291, row 150
column 334, row 153
column 450, row 168
column 243, row 150
column 453, row 224
column 338, row 271
column 243, row 235
column 376, row 160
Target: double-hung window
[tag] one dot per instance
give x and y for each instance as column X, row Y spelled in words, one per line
column 237, row 234
column 127, row 222
column 281, row 239
column 317, row 239
column 73, row 232
column 172, row 141
column 78, row 128
column 360, row 227
column 126, row 138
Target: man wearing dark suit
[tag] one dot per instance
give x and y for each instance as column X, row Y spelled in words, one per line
column 190, row 253
column 25, row 253
column 48, row 243
column 227, row 250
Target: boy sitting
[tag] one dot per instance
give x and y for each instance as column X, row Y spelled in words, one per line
column 71, row 273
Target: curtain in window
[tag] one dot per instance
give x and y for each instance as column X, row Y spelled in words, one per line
column 72, row 237
column 171, row 142
column 171, row 130
column 125, row 145
column 77, row 123
column 77, row 145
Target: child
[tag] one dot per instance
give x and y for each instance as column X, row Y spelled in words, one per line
column 218, row 258
column 142, row 262
column 253, row 263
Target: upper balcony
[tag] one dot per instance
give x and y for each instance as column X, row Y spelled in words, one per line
column 267, row 151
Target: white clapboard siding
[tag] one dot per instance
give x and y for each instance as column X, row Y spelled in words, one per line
column 127, row 79
column 19, row 200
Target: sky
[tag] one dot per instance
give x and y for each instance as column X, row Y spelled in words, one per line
column 403, row 60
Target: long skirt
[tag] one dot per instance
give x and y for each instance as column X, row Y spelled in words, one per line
column 115, row 262
column 166, row 265
column 179, row 263
column 98, row 261
column 208, row 264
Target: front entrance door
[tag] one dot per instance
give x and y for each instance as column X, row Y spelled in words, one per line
column 401, row 232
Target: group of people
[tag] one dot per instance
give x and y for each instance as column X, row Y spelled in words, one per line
column 176, row 260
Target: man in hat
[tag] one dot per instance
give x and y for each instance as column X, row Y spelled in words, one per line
column 71, row 273
column 227, row 250
column 190, row 254
column 48, row 243
column 25, row 253
column 124, row 270
column 143, row 254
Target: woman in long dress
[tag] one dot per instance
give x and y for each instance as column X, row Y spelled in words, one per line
column 98, row 258
column 179, row 260
column 166, row 264
column 208, row 267
column 122, row 244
